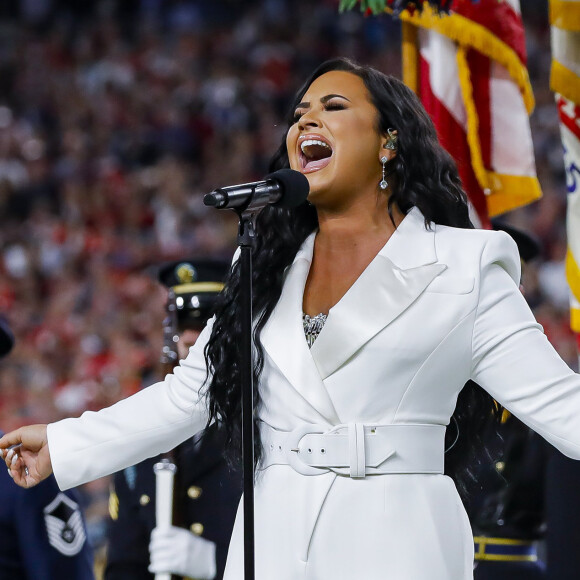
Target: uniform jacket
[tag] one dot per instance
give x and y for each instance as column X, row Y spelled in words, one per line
column 563, row 515
column 207, row 493
column 436, row 307
column 509, row 500
column 42, row 533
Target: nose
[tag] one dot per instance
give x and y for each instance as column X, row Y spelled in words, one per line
column 308, row 120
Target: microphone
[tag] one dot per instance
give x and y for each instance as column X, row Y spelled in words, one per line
column 284, row 188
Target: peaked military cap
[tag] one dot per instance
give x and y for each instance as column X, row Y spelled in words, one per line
column 195, row 285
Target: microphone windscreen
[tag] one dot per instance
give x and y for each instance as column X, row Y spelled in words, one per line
column 210, row 199
column 293, row 185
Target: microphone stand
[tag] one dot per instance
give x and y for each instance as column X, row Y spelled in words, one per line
column 246, row 238
column 246, row 200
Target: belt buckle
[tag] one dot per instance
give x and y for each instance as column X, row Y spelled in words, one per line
column 293, row 450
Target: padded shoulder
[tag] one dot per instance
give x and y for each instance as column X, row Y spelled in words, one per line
column 480, row 248
column 500, row 249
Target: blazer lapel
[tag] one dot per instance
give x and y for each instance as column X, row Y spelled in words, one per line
column 390, row 284
column 283, row 337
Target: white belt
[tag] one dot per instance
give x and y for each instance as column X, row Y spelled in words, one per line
column 355, row 449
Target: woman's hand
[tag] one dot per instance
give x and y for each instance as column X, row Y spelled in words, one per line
column 26, row 454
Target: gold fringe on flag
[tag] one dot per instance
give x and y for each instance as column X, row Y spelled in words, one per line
column 503, row 192
column 472, row 35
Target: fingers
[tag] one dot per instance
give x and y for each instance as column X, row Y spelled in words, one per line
column 29, row 461
column 9, row 455
column 160, row 537
column 32, row 437
column 9, row 444
column 11, row 439
column 17, row 468
column 15, row 464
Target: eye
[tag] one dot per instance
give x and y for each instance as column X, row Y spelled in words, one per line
column 334, row 106
column 329, row 106
column 296, row 116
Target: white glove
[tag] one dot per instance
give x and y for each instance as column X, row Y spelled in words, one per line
column 177, row 551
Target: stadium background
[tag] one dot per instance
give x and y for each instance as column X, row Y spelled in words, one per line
column 115, row 118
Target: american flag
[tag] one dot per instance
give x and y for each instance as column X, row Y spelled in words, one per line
column 565, row 82
column 469, row 69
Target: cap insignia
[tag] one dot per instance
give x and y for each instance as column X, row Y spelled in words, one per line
column 185, row 273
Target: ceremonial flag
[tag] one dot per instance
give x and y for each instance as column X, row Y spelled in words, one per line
column 565, row 82
column 469, row 69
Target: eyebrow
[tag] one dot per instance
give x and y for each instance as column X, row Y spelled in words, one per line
column 323, row 100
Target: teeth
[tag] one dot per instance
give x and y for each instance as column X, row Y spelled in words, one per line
column 310, row 142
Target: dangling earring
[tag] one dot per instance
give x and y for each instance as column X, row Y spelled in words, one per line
column 383, row 183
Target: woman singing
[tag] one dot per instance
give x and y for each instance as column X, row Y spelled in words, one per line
column 375, row 302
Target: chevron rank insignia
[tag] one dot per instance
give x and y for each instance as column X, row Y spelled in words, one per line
column 64, row 525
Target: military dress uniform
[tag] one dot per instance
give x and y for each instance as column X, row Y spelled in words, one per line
column 42, row 533
column 206, row 498
column 563, row 517
column 207, row 490
column 508, row 512
column 42, row 530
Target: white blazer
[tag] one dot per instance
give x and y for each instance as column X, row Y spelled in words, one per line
column 432, row 310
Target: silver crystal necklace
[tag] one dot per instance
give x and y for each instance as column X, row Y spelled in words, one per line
column 312, row 326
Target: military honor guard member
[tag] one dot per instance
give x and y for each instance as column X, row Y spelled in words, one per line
column 42, row 534
column 507, row 512
column 207, row 490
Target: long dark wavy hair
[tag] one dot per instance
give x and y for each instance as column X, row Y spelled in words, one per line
column 422, row 175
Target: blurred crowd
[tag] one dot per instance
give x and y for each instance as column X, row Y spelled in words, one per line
column 116, row 117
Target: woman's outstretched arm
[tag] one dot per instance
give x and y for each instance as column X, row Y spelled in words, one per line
column 514, row 361
column 96, row 444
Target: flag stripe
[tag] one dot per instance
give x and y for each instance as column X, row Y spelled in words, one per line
column 569, row 114
column 502, row 19
column 442, row 75
column 480, row 69
column 564, row 81
column 472, row 121
column 512, row 148
column 410, row 53
column 575, row 318
column 453, row 138
column 478, row 94
column 470, row 34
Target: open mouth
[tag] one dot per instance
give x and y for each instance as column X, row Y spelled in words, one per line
column 314, row 153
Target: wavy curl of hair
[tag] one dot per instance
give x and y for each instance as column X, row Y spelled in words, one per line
column 422, row 175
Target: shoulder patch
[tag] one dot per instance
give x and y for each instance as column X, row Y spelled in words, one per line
column 64, row 525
